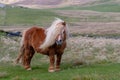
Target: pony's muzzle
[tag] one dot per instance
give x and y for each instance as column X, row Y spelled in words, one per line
column 59, row 42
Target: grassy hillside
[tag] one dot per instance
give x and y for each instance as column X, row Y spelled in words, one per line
column 24, row 16
column 97, row 5
column 43, row 17
column 104, row 8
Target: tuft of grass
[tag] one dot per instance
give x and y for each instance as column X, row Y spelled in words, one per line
column 95, row 76
column 2, row 33
column 16, row 78
column 3, row 74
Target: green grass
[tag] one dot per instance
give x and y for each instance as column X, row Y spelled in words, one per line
column 104, row 8
column 68, row 72
column 28, row 17
column 107, row 7
column 24, row 16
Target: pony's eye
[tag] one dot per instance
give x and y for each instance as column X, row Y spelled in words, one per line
column 63, row 31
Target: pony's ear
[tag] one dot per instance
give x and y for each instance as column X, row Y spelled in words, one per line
column 64, row 23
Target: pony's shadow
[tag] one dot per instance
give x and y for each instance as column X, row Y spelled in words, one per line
column 40, row 67
column 66, row 66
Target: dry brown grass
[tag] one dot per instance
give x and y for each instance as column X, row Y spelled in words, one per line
column 96, row 28
column 9, row 48
column 80, row 50
column 84, row 50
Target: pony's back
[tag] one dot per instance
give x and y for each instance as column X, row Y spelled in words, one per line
column 30, row 36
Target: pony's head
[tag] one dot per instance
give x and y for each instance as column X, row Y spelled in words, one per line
column 56, row 33
column 62, row 34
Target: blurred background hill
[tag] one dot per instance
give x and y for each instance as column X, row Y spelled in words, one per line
column 54, row 3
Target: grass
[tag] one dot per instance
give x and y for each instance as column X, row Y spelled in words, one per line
column 26, row 17
column 95, row 35
column 106, row 7
column 84, row 59
column 3, row 74
column 85, row 72
column 43, row 17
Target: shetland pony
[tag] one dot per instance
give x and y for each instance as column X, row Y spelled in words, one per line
column 51, row 42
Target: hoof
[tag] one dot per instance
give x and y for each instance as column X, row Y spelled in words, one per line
column 51, row 71
column 28, row 69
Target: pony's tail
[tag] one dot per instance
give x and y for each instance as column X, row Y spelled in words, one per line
column 22, row 49
column 20, row 55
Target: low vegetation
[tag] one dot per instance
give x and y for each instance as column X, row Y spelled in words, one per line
column 84, row 59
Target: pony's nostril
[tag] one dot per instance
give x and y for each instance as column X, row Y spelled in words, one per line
column 60, row 40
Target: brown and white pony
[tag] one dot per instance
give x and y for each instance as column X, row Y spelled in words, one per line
column 51, row 42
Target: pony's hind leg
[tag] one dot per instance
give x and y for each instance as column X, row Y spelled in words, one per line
column 27, row 58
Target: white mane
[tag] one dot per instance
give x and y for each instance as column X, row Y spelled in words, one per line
column 51, row 33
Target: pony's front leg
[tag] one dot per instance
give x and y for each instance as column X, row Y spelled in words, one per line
column 52, row 61
column 59, row 56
